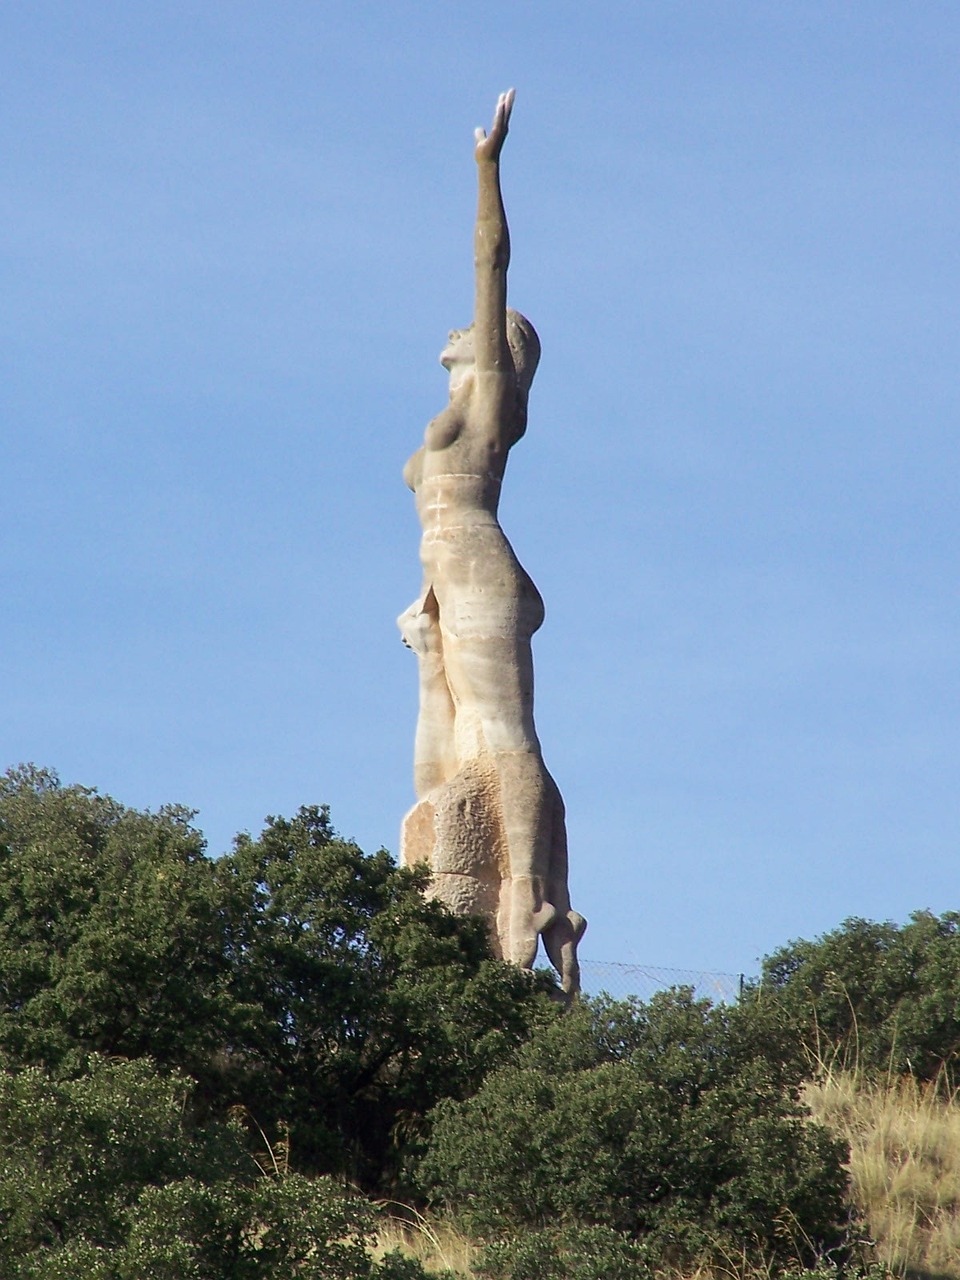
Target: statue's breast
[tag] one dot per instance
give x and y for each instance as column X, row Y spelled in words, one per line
column 445, row 429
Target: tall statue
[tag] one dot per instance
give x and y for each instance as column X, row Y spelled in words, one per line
column 489, row 819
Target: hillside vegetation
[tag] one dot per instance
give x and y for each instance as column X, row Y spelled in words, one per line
column 280, row 1062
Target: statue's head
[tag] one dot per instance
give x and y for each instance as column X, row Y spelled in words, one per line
column 458, row 356
column 524, row 347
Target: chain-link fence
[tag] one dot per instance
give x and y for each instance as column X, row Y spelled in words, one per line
column 642, row 980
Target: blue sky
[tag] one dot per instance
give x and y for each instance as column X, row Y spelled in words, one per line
column 234, row 238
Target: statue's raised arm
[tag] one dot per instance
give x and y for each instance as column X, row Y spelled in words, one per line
column 491, row 247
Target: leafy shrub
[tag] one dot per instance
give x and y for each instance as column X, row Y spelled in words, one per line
column 74, row 1154
column 881, row 997
column 566, row 1253
column 106, row 1177
column 674, row 1123
column 292, row 1226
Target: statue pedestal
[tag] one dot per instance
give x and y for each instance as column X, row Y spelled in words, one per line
column 457, row 831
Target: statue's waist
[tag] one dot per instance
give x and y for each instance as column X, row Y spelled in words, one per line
column 467, row 556
column 454, row 477
column 456, row 496
column 451, row 528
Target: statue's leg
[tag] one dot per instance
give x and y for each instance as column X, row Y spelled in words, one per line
column 492, row 680
column 562, row 936
column 526, row 818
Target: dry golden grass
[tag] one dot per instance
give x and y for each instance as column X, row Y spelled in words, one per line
column 436, row 1244
column 904, row 1165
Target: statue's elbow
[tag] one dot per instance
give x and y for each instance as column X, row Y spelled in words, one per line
column 491, row 247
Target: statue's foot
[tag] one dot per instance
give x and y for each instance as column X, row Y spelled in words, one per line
column 560, row 942
column 578, row 924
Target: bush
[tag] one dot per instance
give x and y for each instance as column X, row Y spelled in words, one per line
column 106, row 1177
column 674, row 1123
column 567, row 1253
column 292, row 1226
column 75, row 1154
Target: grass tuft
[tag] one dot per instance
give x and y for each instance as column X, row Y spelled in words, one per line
column 436, row 1244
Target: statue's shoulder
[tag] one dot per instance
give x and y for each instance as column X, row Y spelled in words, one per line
column 497, row 400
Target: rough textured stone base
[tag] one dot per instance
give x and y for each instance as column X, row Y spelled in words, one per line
column 457, row 832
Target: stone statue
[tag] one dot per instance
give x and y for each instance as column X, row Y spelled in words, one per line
column 489, row 820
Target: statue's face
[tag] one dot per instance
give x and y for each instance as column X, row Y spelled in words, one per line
column 458, row 354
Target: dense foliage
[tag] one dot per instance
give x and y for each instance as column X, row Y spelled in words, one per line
column 296, row 976
column 566, row 1252
column 365, row 1004
column 674, row 1123
column 107, row 1177
column 203, row 1062
column 881, row 997
column 111, row 931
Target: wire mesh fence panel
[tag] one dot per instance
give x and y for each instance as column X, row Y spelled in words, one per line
column 643, row 981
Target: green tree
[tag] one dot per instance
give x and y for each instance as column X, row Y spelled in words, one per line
column 372, row 1002
column 296, row 976
column 112, row 932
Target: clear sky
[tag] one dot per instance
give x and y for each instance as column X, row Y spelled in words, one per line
column 234, row 236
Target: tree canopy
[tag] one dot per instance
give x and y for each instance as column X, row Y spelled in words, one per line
column 296, row 977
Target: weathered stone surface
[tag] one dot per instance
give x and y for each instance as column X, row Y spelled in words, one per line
column 457, row 830
column 489, row 819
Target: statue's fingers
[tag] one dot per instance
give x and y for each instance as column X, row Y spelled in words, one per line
column 480, row 134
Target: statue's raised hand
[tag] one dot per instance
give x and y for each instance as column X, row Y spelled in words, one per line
column 489, row 145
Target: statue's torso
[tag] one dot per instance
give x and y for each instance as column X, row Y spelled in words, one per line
column 456, row 478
